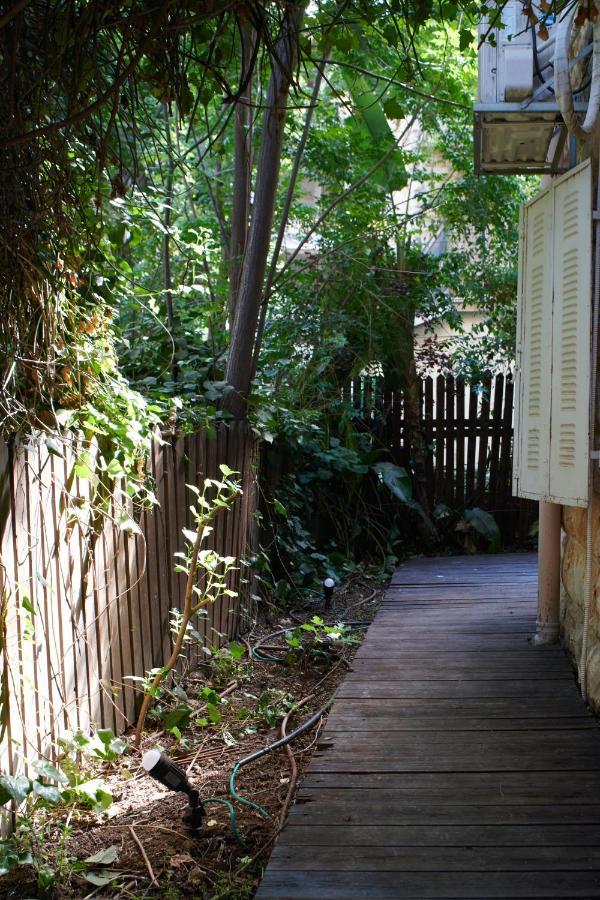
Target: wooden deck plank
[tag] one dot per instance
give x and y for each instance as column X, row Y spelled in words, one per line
column 453, row 723
column 491, row 707
column 373, row 885
column 458, row 760
column 488, row 787
column 441, row 836
column 436, row 859
column 453, row 690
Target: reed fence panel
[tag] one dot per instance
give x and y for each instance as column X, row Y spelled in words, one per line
column 85, row 604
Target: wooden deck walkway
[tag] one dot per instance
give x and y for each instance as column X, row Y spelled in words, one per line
column 459, row 761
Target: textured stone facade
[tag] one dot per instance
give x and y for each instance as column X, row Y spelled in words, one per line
column 574, row 523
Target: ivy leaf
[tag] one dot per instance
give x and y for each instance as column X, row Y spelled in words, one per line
column 101, row 879
column 54, row 448
column 397, row 480
column 127, row 524
column 236, row 650
column 178, row 717
column 47, row 792
column 104, row 857
column 393, row 109
column 9, row 858
column 46, row 770
column 17, row 787
column 465, row 39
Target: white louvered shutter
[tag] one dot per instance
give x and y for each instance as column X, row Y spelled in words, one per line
column 571, row 337
column 516, row 450
column 553, row 342
column 534, row 359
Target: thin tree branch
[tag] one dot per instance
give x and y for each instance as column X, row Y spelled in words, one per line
column 13, row 11
column 341, row 197
column 395, row 82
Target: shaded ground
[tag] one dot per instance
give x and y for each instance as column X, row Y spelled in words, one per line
column 145, row 819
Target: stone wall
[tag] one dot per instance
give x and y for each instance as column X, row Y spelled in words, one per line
column 574, row 523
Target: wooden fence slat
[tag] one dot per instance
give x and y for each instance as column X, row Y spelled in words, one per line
column 48, row 643
column 449, row 422
column 440, row 395
column 471, row 447
column 63, row 570
column 429, row 442
column 164, row 559
column 30, row 692
column 496, row 436
column 482, row 455
column 504, row 493
column 459, row 475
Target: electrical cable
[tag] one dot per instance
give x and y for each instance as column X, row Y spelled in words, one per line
column 536, row 62
column 253, row 757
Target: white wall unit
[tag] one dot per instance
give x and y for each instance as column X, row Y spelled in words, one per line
column 506, row 67
column 553, row 342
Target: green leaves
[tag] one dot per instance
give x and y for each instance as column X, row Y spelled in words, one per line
column 397, row 480
column 10, row 858
column 466, row 38
column 484, row 524
column 104, row 857
column 393, row 108
column 179, row 717
column 14, row 787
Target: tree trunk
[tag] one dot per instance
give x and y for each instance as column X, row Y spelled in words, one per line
column 242, row 170
column 168, row 281
column 414, row 434
column 239, row 365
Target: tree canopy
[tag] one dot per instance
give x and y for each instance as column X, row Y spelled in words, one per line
column 229, row 209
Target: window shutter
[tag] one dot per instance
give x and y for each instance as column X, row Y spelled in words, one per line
column 553, row 342
column 571, row 338
column 535, row 351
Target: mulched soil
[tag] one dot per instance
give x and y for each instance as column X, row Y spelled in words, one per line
column 210, row 864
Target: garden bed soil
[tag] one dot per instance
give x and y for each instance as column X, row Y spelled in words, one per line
column 144, row 823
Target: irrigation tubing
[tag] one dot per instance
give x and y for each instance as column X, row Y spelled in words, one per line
column 258, row 754
column 282, row 742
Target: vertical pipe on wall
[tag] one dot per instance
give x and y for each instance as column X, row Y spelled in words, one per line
column 548, row 612
column 549, row 549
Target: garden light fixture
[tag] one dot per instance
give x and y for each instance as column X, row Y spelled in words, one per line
column 164, row 770
column 328, row 589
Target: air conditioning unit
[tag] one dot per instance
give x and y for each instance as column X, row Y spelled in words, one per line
column 516, row 115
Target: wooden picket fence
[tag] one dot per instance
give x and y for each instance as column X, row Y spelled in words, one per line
column 82, row 610
column 468, row 432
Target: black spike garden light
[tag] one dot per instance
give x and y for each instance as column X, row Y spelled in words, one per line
column 328, row 589
column 166, row 772
column 160, row 767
